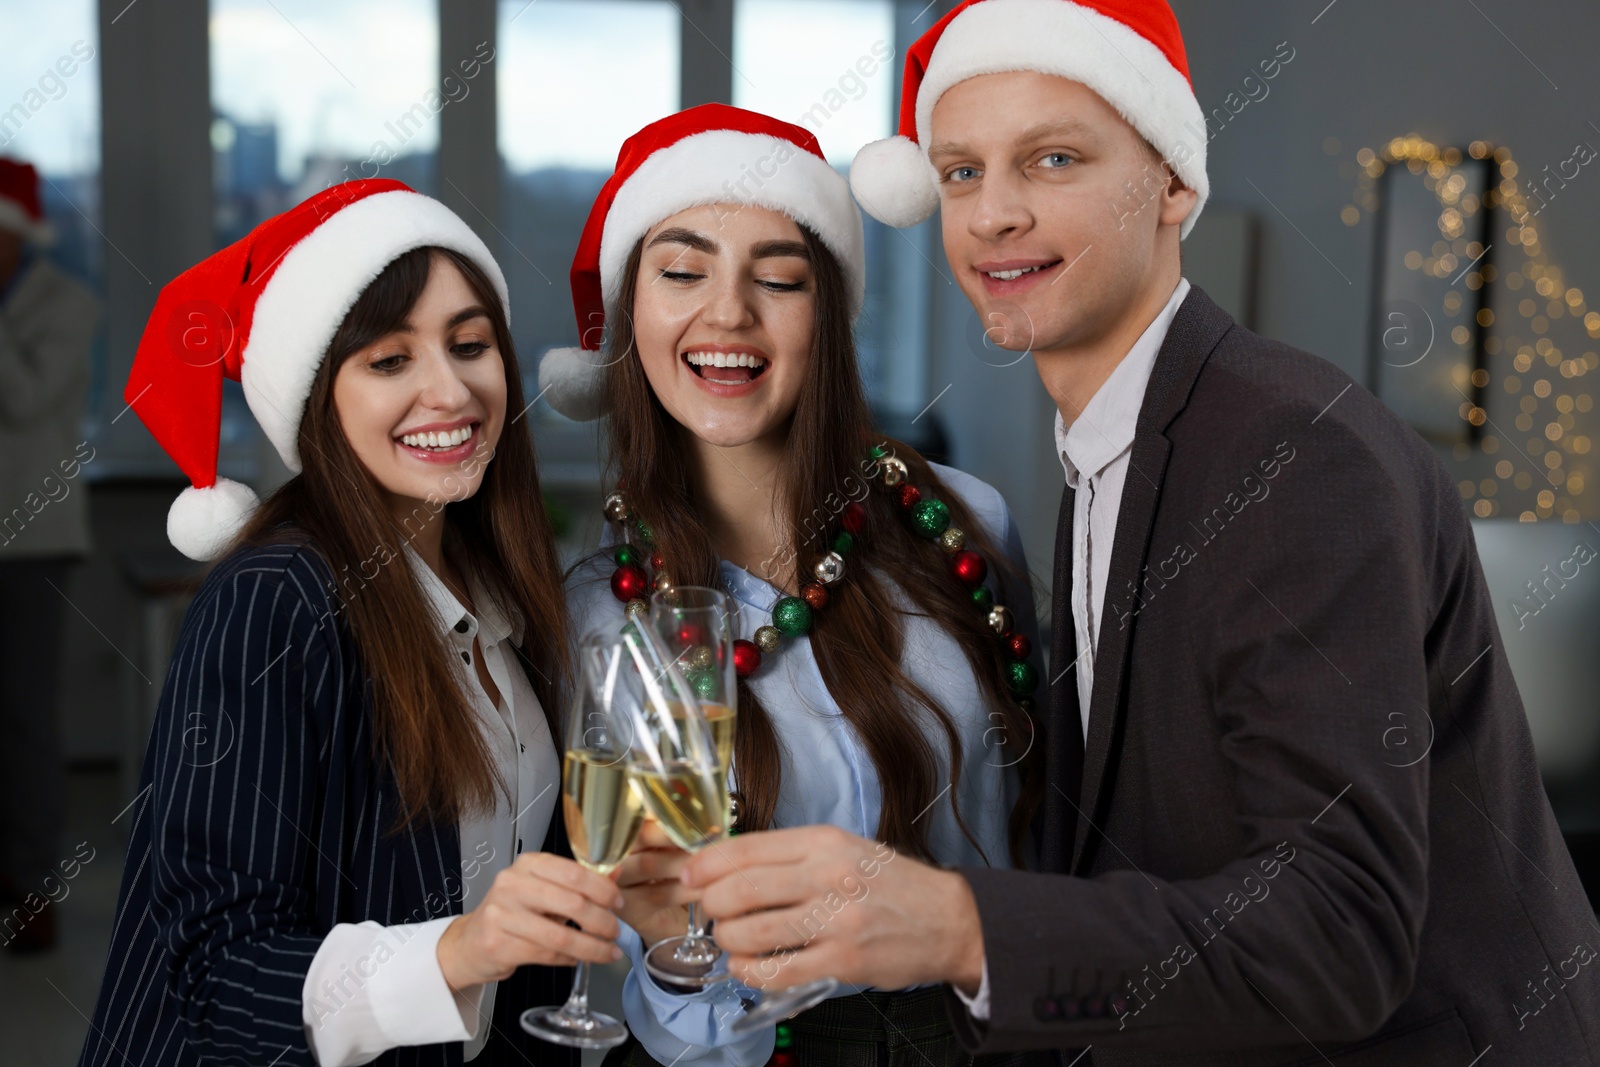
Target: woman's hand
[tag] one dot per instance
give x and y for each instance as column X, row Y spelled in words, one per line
column 523, row 919
column 654, row 898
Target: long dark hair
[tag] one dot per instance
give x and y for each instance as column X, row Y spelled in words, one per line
column 425, row 727
column 859, row 637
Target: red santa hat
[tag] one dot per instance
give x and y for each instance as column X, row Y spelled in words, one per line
column 1130, row 52
column 711, row 154
column 20, row 210
column 262, row 312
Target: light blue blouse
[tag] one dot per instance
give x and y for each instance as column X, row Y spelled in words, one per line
column 828, row 777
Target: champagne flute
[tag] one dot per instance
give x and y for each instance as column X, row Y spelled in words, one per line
column 602, row 812
column 697, row 627
column 681, row 775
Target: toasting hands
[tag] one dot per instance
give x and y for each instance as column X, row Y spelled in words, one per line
column 815, row 902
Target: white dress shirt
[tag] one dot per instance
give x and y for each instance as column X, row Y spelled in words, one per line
column 1095, row 453
column 371, row 987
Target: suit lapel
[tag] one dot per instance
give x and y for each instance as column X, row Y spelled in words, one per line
column 1196, row 328
column 1064, row 728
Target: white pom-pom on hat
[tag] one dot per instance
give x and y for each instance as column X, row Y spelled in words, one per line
column 203, row 522
column 571, row 379
column 893, row 182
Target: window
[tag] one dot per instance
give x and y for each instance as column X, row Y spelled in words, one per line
column 306, row 94
column 831, row 66
column 575, row 79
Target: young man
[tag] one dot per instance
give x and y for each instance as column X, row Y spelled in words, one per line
column 1293, row 808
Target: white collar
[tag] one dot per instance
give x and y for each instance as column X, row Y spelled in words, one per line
column 494, row 623
column 1105, row 427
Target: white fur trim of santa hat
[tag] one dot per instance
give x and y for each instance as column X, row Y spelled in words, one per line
column 319, row 281
column 14, row 218
column 731, row 167
column 1055, row 37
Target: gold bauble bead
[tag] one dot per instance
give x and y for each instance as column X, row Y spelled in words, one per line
column 664, row 582
column 1000, row 619
column 952, row 540
column 894, row 470
column 616, row 508
column 701, row 657
column 636, row 608
column 767, row 639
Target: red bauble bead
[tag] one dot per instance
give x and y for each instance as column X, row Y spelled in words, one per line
column 691, row 634
column 814, row 594
column 746, row 658
column 855, row 517
column 1018, row 645
column 969, row 567
column 630, row 582
column 908, row 495
column 656, row 562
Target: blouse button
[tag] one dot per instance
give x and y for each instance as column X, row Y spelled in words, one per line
column 463, row 626
column 466, row 657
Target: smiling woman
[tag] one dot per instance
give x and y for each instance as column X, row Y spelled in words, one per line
column 399, row 730
column 882, row 688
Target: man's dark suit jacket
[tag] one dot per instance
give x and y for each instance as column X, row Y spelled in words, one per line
column 1307, row 825
column 264, row 818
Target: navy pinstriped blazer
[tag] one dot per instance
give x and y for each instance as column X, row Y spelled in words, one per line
column 263, row 820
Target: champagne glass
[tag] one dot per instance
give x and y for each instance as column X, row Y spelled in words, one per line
column 602, row 812
column 682, row 778
column 697, row 628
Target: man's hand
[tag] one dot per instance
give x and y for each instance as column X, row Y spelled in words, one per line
column 795, row 905
column 655, row 898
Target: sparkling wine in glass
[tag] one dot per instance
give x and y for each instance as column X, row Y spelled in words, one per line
column 602, row 812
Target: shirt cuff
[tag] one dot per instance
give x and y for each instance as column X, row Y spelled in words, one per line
column 978, row 1003
column 689, row 1028
column 371, row 988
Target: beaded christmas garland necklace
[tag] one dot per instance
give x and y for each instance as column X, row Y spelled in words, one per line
column 793, row 616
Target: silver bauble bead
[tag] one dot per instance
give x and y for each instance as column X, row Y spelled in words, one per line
column 616, row 508
column 894, row 470
column 829, row 568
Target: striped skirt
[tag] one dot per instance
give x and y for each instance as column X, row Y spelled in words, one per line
column 904, row 1029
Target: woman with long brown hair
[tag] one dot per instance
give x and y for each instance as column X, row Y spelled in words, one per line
column 336, row 855
column 884, row 611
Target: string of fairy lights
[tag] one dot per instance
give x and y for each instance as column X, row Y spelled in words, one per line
column 1540, row 472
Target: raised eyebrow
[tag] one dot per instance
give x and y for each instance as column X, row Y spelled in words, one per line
column 779, row 248
column 680, row 236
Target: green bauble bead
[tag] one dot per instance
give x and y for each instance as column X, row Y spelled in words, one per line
column 626, row 555
column 642, row 528
column 792, row 616
column 982, row 597
column 704, row 683
column 877, row 451
column 843, row 543
column 930, row 518
column 1021, row 677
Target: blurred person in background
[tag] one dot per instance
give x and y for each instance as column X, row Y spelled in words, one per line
column 47, row 324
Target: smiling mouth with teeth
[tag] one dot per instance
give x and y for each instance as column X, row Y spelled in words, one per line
column 726, row 368
column 1009, row 275
column 440, row 441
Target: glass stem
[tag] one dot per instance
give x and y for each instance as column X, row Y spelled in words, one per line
column 697, row 929
column 577, row 1005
